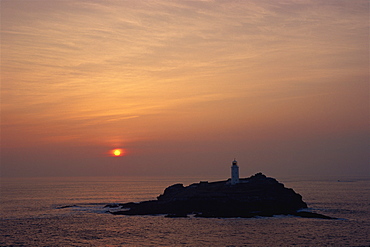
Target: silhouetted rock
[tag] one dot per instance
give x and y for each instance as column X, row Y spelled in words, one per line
column 255, row 196
column 67, row 206
column 305, row 214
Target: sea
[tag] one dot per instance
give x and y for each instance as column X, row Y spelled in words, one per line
column 70, row 212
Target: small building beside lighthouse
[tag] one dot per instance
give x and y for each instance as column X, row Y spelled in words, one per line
column 234, row 172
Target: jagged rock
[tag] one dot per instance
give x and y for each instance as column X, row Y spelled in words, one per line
column 255, row 196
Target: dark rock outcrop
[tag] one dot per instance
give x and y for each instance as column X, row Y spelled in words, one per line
column 255, row 196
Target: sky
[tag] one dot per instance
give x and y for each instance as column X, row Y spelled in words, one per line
column 183, row 87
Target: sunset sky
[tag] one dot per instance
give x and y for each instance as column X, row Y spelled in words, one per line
column 184, row 87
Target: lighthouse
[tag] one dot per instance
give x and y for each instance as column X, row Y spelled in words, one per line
column 234, row 172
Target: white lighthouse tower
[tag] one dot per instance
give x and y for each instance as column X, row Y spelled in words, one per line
column 234, row 172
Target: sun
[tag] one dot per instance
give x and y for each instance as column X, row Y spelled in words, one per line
column 117, row 152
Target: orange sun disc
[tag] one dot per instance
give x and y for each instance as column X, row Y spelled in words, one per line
column 117, row 152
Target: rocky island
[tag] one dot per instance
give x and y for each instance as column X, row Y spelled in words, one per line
column 257, row 195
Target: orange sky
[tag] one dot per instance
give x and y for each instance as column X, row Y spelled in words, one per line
column 184, row 87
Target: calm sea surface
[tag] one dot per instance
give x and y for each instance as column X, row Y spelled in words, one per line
column 34, row 213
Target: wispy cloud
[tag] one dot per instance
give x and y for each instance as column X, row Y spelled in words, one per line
column 151, row 69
